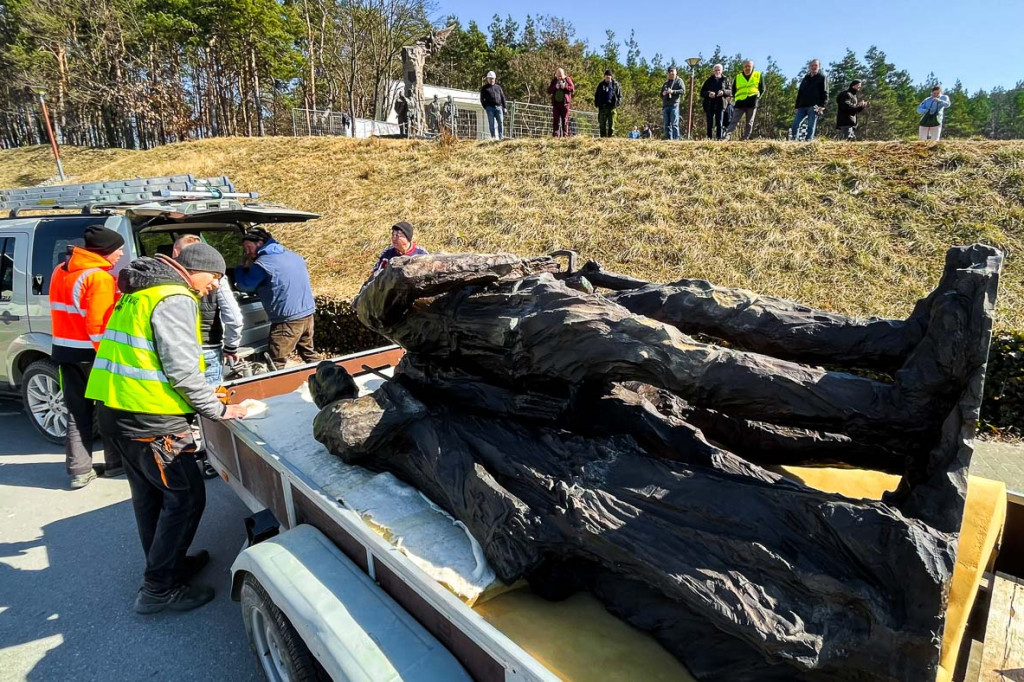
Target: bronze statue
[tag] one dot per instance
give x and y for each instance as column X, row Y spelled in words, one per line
column 414, row 58
column 590, row 443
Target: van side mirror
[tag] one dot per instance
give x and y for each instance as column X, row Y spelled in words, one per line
column 37, row 285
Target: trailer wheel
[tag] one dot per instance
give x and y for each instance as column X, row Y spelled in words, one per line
column 282, row 654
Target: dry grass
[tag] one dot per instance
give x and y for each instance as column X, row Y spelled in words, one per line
column 856, row 228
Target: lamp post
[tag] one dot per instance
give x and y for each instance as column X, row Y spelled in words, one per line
column 692, row 61
column 49, row 131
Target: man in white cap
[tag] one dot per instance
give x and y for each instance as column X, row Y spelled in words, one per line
column 493, row 101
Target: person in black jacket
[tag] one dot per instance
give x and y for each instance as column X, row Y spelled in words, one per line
column 671, row 92
column 492, row 98
column 713, row 96
column 849, row 107
column 607, row 98
column 811, row 99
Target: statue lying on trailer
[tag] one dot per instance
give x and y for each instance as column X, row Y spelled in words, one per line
column 589, row 443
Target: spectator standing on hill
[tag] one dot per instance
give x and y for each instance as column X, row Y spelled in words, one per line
column 728, row 114
column 713, row 96
column 281, row 280
column 671, row 92
column 811, row 99
column 401, row 245
column 932, row 110
column 748, row 87
column 849, row 107
column 607, row 98
column 82, row 296
column 560, row 89
column 492, row 98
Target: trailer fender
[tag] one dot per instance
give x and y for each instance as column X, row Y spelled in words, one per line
column 355, row 630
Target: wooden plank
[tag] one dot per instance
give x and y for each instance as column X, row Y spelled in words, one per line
column 1003, row 660
column 263, row 481
column 218, row 444
column 307, row 511
column 278, row 383
column 478, row 663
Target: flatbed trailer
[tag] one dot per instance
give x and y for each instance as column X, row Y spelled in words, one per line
column 323, row 594
column 450, row 632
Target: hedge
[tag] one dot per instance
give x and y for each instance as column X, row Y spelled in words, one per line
column 1002, row 410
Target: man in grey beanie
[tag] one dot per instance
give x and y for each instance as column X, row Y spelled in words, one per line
column 148, row 379
column 401, row 245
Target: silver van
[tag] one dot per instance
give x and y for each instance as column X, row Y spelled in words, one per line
column 150, row 217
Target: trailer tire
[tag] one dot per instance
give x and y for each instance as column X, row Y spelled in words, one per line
column 282, row 654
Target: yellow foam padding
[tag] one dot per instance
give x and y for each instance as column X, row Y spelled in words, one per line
column 980, row 530
column 578, row 640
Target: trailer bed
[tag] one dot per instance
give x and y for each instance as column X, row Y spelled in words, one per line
column 514, row 635
column 508, row 637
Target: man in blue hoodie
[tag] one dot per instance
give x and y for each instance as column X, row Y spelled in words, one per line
column 280, row 278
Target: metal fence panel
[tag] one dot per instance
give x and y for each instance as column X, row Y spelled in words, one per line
column 536, row 120
column 521, row 120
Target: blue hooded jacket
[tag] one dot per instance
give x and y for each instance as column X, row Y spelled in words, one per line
column 281, row 280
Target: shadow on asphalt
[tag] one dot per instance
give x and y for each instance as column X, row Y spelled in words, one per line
column 80, row 605
column 13, row 410
column 42, row 475
column 58, row 600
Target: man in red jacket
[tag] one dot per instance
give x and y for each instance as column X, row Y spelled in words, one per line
column 82, row 295
column 561, row 89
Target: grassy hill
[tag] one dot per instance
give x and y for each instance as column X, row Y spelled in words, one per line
column 855, row 228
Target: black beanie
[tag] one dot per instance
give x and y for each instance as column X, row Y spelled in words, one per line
column 202, row 258
column 403, row 227
column 101, row 240
column 257, row 234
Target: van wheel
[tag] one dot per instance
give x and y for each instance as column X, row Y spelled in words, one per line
column 44, row 401
column 282, row 654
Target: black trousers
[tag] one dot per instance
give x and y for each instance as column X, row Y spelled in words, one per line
column 169, row 496
column 78, row 442
column 715, row 120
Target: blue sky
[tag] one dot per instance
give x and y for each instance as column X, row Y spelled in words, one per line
column 980, row 42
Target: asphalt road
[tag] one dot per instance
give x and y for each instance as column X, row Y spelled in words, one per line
column 70, row 566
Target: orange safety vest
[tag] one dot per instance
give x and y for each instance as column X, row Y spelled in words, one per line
column 82, row 295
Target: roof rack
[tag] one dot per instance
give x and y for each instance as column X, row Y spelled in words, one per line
column 116, row 193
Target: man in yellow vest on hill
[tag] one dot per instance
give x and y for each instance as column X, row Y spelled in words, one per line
column 748, row 87
column 148, row 378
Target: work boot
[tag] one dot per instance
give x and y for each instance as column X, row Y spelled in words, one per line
column 111, row 472
column 205, row 468
column 82, row 480
column 193, row 564
column 178, row 598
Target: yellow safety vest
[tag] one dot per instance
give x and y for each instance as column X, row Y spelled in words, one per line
column 127, row 374
column 747, row 88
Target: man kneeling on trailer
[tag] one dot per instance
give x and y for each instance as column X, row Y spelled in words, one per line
column 148, row 378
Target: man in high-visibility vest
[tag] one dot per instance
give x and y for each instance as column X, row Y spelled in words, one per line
column 148, row 378
column 82, row 294
column 748, row 87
